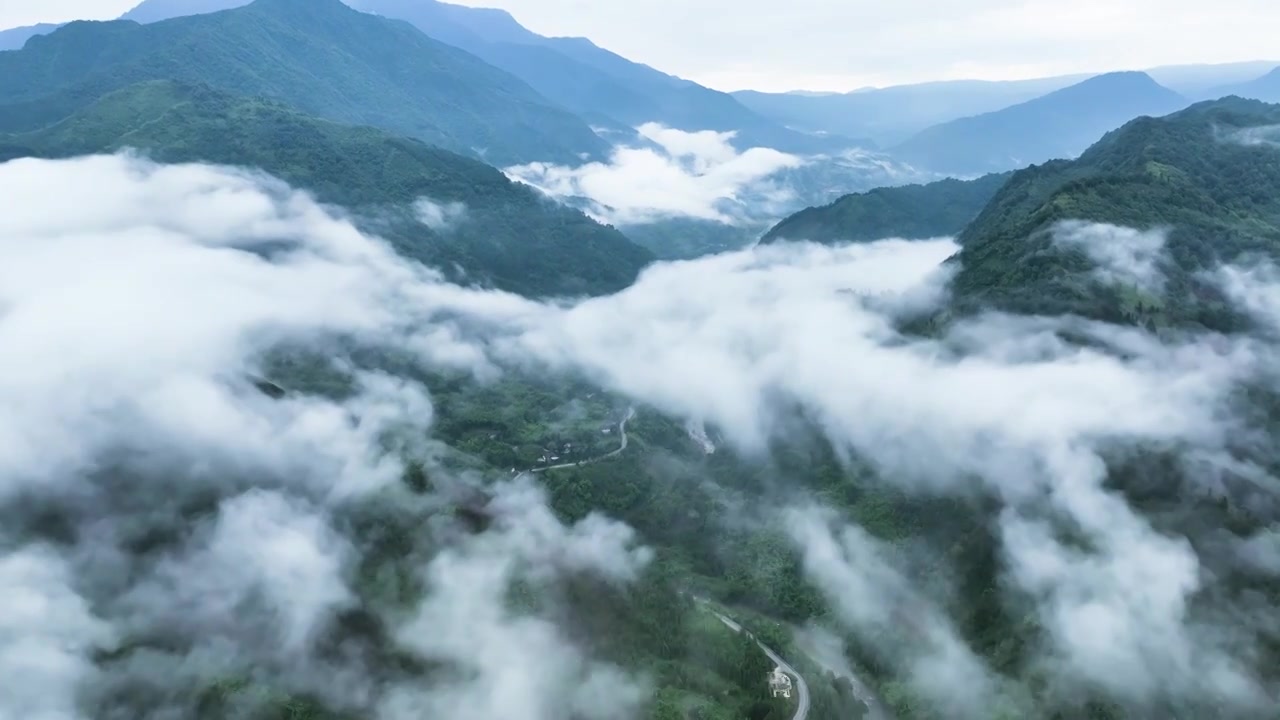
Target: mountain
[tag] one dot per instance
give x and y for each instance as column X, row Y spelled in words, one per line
column 505, row 234
column 909, row 211
column 1265, row 88
column 15, row 38
column 599, row 85
column 150, row 11
column 319, row 56
column 592, row 81
column 1199, row 173
column 1203, row 82
column 893, row 114
column 1058, row 125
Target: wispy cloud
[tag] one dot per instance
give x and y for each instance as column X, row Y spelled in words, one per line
column 682, row 174
column 440, row 216
column 1124, row 256
column 127, row 327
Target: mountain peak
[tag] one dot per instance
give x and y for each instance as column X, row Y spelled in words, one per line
column 150, row 11
column 1113, row 84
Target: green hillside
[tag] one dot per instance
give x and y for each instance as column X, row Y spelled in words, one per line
column 910, row 211
column 319, row 56
column 511, row 236
column 1188, row 172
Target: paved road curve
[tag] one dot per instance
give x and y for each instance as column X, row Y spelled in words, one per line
column 876, row 709
column 622, row 429
column 802, row 688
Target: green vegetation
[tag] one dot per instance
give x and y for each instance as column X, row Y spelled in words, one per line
column 909, row 211
column 1058, row 125
column 1219, row 198
column 319, row 56
column 509, row 236
column 684, row 238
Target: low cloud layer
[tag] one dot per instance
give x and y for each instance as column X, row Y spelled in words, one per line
column 680, row 175
column 126, row 329
column 166, row 528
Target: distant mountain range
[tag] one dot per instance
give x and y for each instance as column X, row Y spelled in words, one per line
column 602, row 87
column 890, row 115
column 15, row 38
column 476, row 82
column 1058, row 125
column 1265, row 88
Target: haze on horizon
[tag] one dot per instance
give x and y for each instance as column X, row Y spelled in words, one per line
column 812, row 45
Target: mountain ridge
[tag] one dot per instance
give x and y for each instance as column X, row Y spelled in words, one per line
column 1058, row 125
column 512, row 237
column 1190, row 174
column 320, row 56
column 914, row 212
column 1265, row 88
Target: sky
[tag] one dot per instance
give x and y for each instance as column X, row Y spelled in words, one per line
column 840, row 45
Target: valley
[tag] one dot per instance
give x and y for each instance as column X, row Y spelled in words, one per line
column 390, row 359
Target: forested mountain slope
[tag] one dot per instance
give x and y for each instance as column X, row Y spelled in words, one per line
column 499, row 232
column 909, row 211
column 1204, row 174
column 319, row 56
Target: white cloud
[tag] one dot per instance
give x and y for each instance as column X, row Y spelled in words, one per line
column 126, row 325
column 46, row 632
column 870, row 596
column 439, row 216
column 1266, row 135
column 1124, row 256
column 516, row 667
column 696, row 175
column 195, row 518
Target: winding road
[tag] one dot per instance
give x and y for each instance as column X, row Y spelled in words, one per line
column 622, row 429
column 802, row 687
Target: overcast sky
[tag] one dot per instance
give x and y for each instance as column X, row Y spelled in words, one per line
column 845, row 44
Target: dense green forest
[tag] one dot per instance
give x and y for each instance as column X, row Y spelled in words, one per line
column 908, row 211
column 319, row 56
column 508, row 236
column 1219, row 199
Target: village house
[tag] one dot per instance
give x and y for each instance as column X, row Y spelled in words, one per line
column 780, row 683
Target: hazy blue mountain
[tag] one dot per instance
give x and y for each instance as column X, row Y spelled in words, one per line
column 15, row 38
column 1205, row 81
column 597, row 84
column 150, row 11
column 505, row 233
column 592, row 81
column 892, row 114
column 320, row 56
column 908, row 211
column 1058, row 125
column 1265, row 88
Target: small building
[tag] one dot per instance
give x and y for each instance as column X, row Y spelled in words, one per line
column 780, row 683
